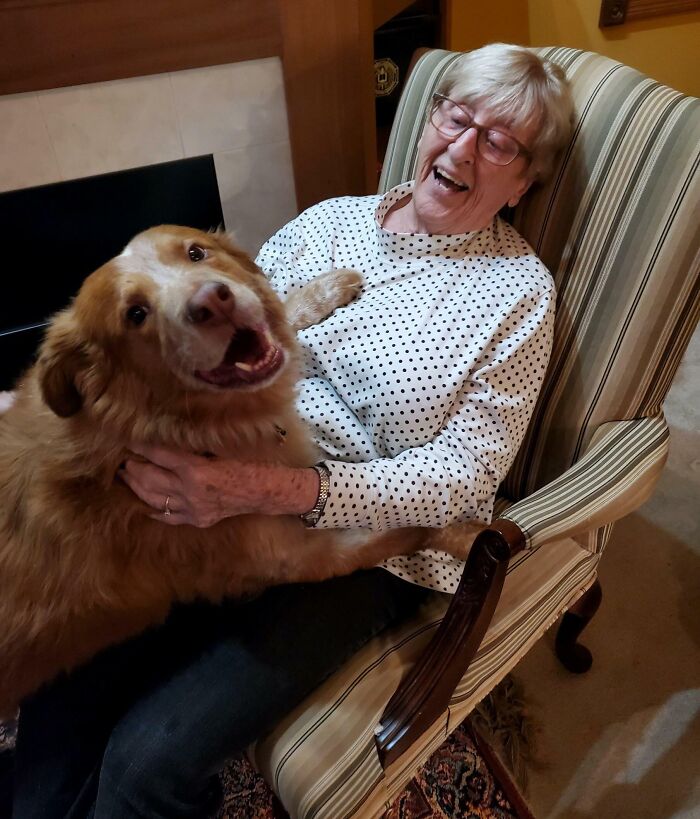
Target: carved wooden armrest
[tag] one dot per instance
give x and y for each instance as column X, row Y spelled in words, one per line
column 426, row 690
column 615, row 475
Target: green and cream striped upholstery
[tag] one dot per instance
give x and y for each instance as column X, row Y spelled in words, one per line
column 618, row 226
column 616, row 474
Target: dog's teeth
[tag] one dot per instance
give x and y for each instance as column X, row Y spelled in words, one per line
column 260, row 364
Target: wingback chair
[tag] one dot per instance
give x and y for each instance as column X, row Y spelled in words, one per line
column 618, row 226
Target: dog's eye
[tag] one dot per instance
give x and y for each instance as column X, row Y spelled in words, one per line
column 136, row 314
column 196, row 253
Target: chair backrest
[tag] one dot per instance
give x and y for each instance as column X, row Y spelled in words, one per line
column 618, row 226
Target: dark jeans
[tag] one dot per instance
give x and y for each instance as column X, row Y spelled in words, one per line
column 143, row 729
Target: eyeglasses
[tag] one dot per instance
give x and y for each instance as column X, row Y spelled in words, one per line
column 452, row 120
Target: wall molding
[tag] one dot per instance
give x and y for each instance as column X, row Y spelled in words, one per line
column 54, row 43
column 617, row 12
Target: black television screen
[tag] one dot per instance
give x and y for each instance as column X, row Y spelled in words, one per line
column 53, row 236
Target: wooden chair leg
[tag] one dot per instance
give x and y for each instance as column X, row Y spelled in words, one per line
column 572, row 655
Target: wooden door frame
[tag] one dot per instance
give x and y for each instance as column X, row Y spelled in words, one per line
column 326, row 48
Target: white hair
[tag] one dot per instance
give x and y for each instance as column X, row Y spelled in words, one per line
column 519, row 88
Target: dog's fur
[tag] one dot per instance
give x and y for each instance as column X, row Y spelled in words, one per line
column 82, row 565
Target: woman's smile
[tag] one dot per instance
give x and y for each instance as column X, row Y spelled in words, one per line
column 448, row 181
column 457, row 190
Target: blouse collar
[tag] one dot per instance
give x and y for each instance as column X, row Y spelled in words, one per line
column 450, row 245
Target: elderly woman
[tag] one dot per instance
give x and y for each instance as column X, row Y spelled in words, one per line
column 419, row 393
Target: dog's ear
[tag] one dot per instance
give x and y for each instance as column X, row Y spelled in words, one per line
column 61, row 359
column 226, row 240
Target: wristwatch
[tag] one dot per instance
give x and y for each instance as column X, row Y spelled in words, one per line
column 312, row 517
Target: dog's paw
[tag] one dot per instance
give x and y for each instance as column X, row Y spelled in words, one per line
column 321, row 296
column 455, row 539
column 346, row 285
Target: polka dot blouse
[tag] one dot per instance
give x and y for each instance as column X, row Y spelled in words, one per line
column 419, row 392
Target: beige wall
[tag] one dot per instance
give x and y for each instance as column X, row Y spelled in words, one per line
column 665, row 48
column 470, row 25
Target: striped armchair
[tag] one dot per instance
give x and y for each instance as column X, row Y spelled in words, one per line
column 618, row 227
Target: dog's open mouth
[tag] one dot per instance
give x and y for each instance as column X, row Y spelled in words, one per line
column 251, row 358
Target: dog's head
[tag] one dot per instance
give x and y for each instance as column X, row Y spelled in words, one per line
column 178, row 311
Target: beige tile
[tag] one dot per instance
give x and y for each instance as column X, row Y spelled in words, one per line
column 112, row 126
column 256, row 185
column 26, row 155
column 231, row 106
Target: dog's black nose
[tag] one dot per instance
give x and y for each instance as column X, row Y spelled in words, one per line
column 213, row 303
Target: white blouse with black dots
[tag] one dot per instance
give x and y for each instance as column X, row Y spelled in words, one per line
column 419, row 392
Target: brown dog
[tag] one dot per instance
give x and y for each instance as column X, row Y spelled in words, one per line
column 179, row 341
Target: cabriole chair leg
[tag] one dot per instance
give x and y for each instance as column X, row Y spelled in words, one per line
column 572, row 655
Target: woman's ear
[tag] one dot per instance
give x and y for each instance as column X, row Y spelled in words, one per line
column 518, row 194
column 62, row 357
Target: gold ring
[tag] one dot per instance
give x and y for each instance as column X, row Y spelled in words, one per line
column 167, row 512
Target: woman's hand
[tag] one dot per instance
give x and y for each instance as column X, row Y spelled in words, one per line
column 185, row 488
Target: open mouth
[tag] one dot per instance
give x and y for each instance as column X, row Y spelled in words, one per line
column 251, row 358
column 448, row 182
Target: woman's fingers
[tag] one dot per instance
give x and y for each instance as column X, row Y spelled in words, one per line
column 166, row 507
column 143, row 479
column 201, row 492
column 151, row 483
column 171, row 459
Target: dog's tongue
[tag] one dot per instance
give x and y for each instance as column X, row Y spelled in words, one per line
column 250, row 357
column 246, row 347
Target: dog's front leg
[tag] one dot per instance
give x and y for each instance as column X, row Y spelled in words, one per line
column 326, row 553
column 320, row 297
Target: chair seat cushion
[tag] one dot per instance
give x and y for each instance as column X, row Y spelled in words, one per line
column 322, row 761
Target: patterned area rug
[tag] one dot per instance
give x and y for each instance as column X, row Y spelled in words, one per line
column 456, row 783
column 477, row 773
column 464, row 779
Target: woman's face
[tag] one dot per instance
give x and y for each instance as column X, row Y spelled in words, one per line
column 482, row 188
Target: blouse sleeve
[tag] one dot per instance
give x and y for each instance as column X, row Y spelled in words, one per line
column 455, row 476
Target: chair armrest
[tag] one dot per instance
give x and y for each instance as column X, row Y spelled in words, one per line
column 425, row 691
column 617, row 473
column 615, row 476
